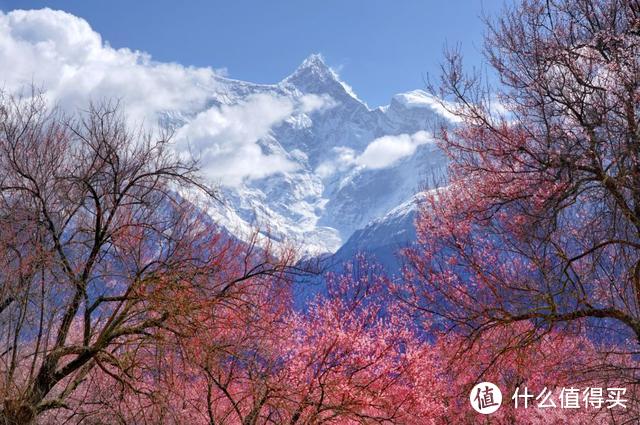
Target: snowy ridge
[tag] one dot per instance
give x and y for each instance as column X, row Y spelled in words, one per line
column 330, row 190
column 383, row 237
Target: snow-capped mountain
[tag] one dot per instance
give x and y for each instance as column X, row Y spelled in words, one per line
column 352, row 165
column 383, row 237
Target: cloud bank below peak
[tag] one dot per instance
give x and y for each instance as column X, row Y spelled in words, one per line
column 382, row 152
column 387, row 150
column 61, row 54
column 226, row 137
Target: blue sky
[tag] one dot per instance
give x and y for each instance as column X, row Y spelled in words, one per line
column 379, row 47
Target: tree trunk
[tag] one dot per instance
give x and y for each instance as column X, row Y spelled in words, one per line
column 17, row 412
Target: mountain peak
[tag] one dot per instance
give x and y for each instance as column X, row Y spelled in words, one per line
column 316, row 62
column 313, row 68
column 315, row 76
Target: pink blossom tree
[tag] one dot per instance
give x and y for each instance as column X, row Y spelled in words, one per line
column 352, row 358
column 538, row 231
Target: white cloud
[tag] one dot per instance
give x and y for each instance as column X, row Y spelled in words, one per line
column 343, row 159
column 313, row 103
column 226, row 137
column 63, row 55
column 380, row 153
column 385, row 151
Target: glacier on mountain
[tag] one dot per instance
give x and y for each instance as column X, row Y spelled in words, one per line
column 327, row 195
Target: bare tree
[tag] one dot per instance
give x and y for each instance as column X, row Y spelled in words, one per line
column 97, row 250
